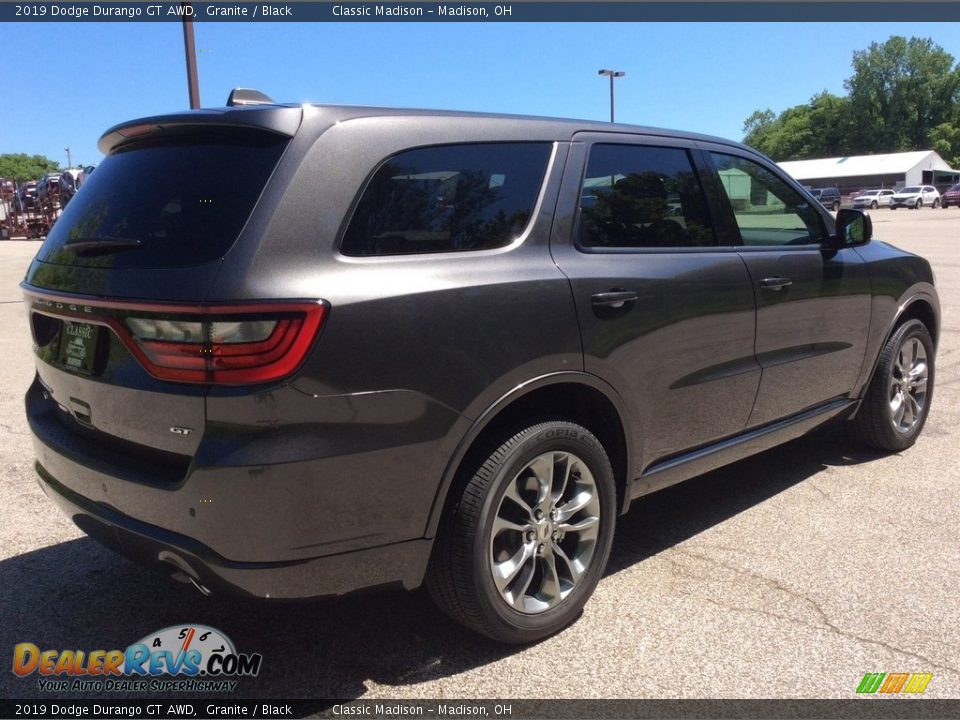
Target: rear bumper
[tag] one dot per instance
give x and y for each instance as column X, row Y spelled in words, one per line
column 396, row 564
column 294, row 511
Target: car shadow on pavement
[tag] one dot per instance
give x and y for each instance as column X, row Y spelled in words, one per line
column 78, row 595
column 667, row 518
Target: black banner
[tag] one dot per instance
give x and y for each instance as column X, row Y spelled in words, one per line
column 658, row 11
column 873, row 707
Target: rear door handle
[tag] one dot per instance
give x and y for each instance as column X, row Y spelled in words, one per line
column 613, row 299
column 775, row 283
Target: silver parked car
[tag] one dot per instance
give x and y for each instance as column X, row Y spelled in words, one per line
column 872, row 199
column 915, row 197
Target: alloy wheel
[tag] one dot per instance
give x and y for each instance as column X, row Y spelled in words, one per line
column 544, row 532
column 908, row 385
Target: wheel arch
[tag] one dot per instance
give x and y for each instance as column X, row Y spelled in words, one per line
column 922, row 306
column 574, row 396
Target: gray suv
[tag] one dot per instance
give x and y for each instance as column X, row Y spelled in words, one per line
column 299, row 350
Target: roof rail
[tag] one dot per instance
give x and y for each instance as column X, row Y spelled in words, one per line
column 246, row 96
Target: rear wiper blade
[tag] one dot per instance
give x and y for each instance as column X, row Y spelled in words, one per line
column 100, row 245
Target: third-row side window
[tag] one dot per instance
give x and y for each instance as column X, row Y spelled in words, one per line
column 449, row 198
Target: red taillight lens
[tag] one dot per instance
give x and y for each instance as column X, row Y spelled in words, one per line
column 235, row 345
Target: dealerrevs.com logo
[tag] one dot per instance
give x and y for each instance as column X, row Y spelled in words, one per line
column 188, row 658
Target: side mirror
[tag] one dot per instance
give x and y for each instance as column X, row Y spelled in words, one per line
column 853, row 228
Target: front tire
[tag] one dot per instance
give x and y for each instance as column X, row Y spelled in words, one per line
column 873, row 205
column 919, row 204
column 897, row 402
column 522, row 549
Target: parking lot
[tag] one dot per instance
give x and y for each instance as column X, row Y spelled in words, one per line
column 791, row 574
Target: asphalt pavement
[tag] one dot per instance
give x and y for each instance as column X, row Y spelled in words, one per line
column 788, row 575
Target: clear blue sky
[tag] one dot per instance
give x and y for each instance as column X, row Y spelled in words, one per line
column 64, row 84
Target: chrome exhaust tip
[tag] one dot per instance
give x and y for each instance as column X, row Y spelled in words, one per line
column 204, row 590
column 182, row 572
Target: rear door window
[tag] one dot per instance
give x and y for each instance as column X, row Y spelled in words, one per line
column 450, row 198
column 637, row 196
column 172, row 203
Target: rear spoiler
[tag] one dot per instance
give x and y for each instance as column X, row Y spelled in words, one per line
column 278, row 119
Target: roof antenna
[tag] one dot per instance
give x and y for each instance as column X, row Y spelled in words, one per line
column 246, row 96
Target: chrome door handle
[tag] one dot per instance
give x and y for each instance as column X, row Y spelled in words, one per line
column 613, row 299
column 775, row 283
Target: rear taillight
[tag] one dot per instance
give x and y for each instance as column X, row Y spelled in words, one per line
column 236, row 345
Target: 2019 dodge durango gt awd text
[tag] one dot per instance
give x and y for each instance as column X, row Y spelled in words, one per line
column 293, row 351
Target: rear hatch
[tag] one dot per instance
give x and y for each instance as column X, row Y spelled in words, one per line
column 125, row 344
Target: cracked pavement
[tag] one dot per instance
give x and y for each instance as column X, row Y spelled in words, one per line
column 788, row 575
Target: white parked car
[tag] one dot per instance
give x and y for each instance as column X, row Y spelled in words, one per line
column 872, row 199
column 915, row 197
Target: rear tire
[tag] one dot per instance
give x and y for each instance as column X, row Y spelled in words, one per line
column 897, row 402
column 522, row 549
column 936, row 204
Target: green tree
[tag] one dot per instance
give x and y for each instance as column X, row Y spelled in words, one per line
column 945, row 140
column 22, row 167
column 900, row 90
column 779, row 136
column 819, row 128
column 903, row 95
column 758, row 126
column 793, row 135
column 831, row 126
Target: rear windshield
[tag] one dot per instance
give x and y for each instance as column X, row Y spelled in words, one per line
column 169, row 203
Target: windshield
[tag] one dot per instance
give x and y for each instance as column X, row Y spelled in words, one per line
column 171, row 203
column 910, row 190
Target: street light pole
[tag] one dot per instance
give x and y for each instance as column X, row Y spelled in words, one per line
column 189, row 48
column 612, row 74
column 69, row 159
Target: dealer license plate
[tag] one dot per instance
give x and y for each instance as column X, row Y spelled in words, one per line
column 78, row 346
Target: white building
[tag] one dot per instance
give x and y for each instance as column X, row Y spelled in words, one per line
column 862, row 172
